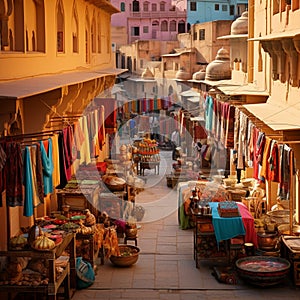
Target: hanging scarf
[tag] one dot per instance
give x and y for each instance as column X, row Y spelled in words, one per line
column 47, row 162
column 14, row 174
column 2, row 165
column 39, row 173
column 28, row 201
column 38, row 197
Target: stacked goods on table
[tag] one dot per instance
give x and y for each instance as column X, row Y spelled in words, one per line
column 228, row 209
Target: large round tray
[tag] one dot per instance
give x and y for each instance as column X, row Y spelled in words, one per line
column 263, row 270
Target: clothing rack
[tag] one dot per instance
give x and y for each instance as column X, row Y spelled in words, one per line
column 29, row 135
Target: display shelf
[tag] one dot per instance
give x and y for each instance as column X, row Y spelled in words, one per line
column 80, row 198
column 67, row 278
column 205, row 243
column 147, row 156
column 291, row 251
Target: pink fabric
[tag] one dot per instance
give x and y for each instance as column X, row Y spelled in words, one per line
column 248, row 221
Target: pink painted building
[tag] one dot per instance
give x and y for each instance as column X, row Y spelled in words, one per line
column 150, row 19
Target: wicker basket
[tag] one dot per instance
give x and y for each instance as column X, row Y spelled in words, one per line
column 115, row 187
column 236, row 195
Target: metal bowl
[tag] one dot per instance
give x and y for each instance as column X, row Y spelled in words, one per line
column 263, row 270
column 284, row 229
column 267, row 241
column 129, row 256
column 280, row 216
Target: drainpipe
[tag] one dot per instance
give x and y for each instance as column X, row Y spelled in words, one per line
column 250, row 43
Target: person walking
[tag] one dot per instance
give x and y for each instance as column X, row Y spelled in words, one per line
column 175, row 139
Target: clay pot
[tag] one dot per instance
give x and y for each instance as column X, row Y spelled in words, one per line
column 131, row 230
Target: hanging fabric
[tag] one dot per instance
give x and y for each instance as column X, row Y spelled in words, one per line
column 47, row 161
column 62, row 164
column 209, row 106
column 229, row 131
column 37, row 198
column 284, row 185
column 56, row 162
column 2, row 165
column 28, row 188
column 85, row 148
column 264, row 173
column 13, row 174
column 68, row 143
column 101, row 127
column 274, row 167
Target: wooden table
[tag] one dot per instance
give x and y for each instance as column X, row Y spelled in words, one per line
column 291, row 251
column 148, row 166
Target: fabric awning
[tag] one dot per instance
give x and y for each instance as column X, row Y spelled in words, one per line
column 277, row 117
column 277, row 35
column 233, row 36
column 22, row 88
column 193, row 99
column 233, row 90
column 190, row 93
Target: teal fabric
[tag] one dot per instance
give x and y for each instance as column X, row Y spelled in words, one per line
column 47, row 162
column 226, row 228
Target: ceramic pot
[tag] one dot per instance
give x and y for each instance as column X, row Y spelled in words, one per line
column 131, row 231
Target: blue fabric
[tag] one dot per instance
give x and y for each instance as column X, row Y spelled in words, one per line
column 47, row 162
column 209, row 111
column 226, row 228
column 28, row 201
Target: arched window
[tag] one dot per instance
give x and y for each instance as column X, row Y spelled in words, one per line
column 40, row 26
column 60, row 26
column 173, row 25
column 87, row 38
column 75, row 29
column 99, row 33
column 94, row 35
column 146, row 6
column 135, row 5
column 155, row 28
column 122, row 6
column 164, row 26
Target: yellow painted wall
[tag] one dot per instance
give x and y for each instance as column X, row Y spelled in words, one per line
column 14, row 65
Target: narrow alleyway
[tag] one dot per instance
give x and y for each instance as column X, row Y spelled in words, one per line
column 166, row 268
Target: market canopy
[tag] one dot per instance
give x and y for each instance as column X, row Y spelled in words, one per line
column 22, row 88
column 284, row 117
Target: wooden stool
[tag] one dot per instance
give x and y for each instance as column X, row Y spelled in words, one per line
column 127, row 238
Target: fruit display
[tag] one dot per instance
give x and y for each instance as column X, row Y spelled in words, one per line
column 43, row 243
column 18, row 242
column 148, row 147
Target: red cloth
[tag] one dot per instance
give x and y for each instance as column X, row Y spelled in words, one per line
column 199, row 132
column 248, row 221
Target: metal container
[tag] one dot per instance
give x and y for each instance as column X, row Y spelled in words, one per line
column 267, row 241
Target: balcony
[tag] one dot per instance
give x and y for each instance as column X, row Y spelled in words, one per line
column 157, row 14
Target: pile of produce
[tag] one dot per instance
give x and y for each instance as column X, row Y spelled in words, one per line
column 42, row 242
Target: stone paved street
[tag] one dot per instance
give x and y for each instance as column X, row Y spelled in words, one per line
column 166, row 269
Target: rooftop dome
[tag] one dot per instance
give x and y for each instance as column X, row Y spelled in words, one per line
column 147, row 74
column 219, row 68
column 240, row 25
column 182, row 74
column 200, row 75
